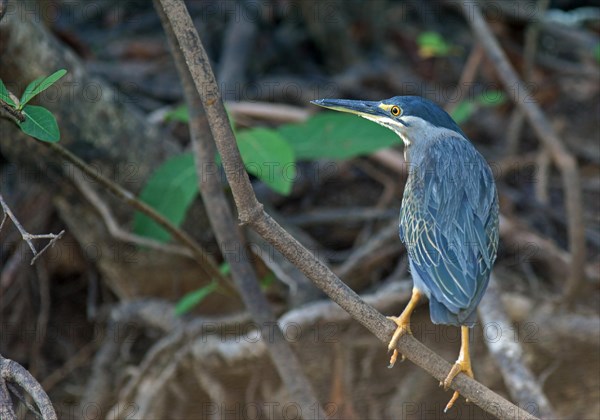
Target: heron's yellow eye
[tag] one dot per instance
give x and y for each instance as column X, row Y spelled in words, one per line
column 395, row 110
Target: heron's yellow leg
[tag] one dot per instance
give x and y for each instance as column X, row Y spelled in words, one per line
column 403, row 322
column 463, row 364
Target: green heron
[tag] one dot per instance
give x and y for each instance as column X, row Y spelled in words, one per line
column 448, row 219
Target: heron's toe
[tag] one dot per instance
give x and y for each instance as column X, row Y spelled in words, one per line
column 460, row 366
column 403, row 328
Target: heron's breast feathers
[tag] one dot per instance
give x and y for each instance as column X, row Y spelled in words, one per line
column 449, row 222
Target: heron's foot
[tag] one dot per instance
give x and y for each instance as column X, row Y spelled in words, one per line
column 460, row 366
column 403, row 323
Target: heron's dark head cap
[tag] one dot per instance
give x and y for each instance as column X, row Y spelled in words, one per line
column 406, row 115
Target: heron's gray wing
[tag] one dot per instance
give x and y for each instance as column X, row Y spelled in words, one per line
column 449, row 223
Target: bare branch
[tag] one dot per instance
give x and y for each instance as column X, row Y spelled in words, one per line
column 115, row 230
column 81, row 358
column 28, row 237
column 280, row 113
column 6, row 408
column 515, row 124
column 12, row 372
column 206, row 261
column 237, row 45
column 226, row 231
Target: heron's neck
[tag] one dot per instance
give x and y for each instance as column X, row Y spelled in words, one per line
column 420, row 136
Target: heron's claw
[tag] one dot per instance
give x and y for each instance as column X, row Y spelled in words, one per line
column 460, row 366
column 403, row 323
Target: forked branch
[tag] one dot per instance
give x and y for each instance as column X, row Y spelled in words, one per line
column 28, row 237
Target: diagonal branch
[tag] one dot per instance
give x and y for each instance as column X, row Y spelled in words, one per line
column 543, row 128
column 206, row 261
column 113, row 226
column 230, row 237
column 251, row 212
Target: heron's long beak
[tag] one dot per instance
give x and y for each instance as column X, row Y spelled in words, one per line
column 377, row 112
column 371, row 110
column 362, row 108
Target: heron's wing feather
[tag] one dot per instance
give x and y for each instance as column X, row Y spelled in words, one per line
column 448, row 223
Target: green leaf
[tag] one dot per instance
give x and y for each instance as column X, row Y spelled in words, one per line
column 267, row 281
column 268, row 156
column 30, row 88
column 330, row 135
column 39, row 85
column 40, row 123
column 180, row 114
column 491, row 98
column 596, row 52
column 463, row 111
column 431, row 44
column 170, row 190
column 225, row 269
column 191, row 299
column 5, row 96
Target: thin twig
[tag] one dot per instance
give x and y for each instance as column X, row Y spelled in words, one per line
column 251, row 212
column 12, row 111
column 237, row 46
column 542, row 186
column 515, row 125
column 280, row 113
column 386, row 234
column 223, row 221
column 467, row 77
column 534, row 247
column 157, row 315
column 28, row 237
column 204, row 259
column 520, row 94
column 113, row 227
column 43, row 316
column 79, row 359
